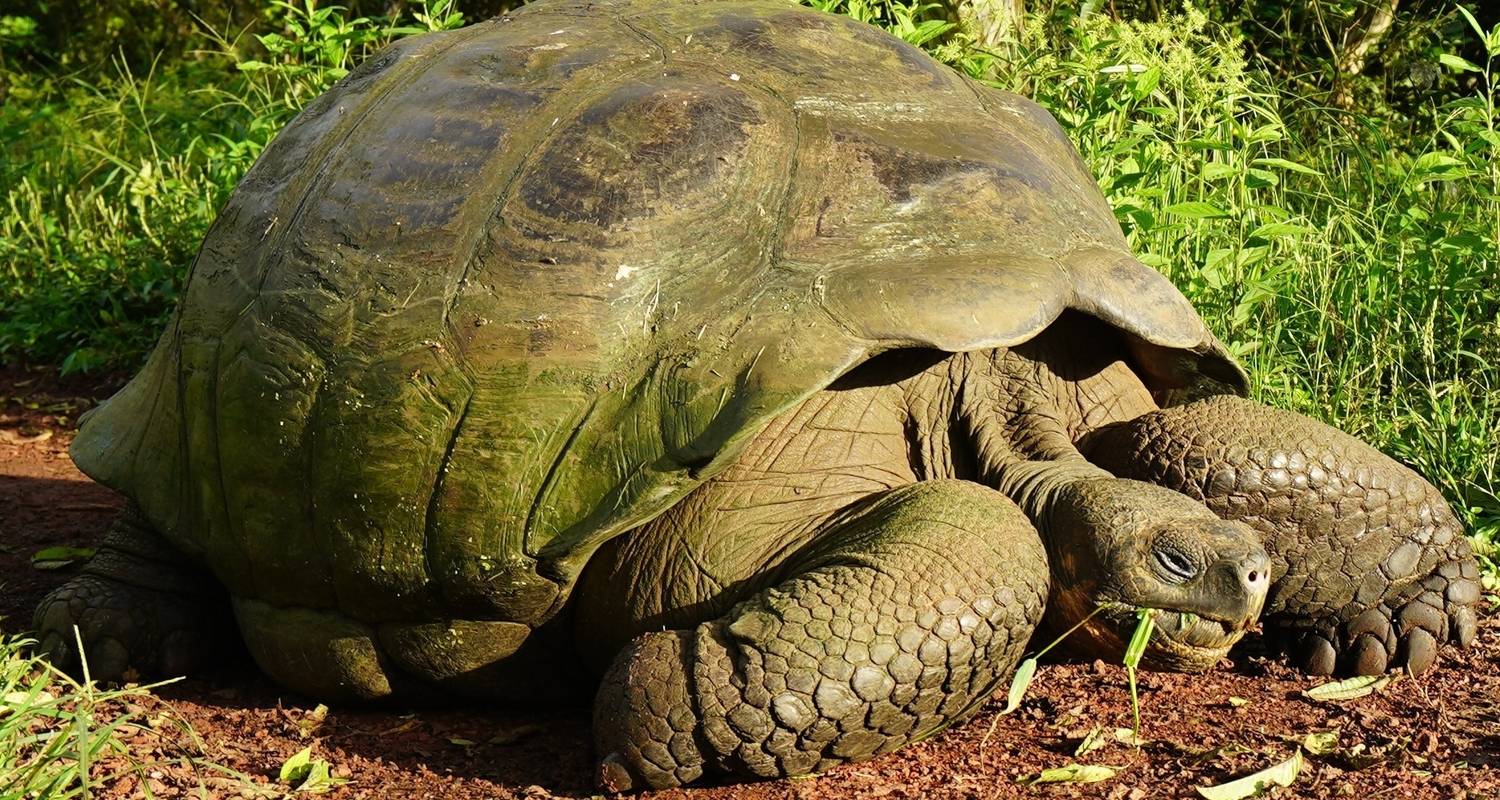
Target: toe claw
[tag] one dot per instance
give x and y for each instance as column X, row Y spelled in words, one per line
column 1420, row 651
column 1367, row 656
column 55, row 648
column 108, row 659
column 1316, row 654
column 1463, row 625
column 1408, row 628
column 613, row 775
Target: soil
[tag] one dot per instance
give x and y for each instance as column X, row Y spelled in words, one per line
column 1434, row 736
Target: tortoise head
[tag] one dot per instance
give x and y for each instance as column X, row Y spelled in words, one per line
column 1118, row 546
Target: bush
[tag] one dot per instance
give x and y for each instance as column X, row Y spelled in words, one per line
column 110, row 181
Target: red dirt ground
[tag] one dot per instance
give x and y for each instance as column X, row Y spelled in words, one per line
column 1436, row 736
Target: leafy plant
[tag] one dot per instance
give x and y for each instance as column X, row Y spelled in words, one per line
column 62, row 738
column 109, row 181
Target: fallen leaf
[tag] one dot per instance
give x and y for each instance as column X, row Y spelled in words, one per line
column 1093, row 741
column 311, row 721
column 1350, row 688
column 294, row 769
column 60, row 556
column 308, row 774
column 17, row 699
column 461, row 741
column 319, row 778
column 16, row 437
column 1131, row 737
column 512, row 735
column 1237, row 702
column 1279, row 775
column 1072, row 773
column 402, row 728
column 1321, row 744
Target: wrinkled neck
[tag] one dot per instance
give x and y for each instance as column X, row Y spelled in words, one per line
column 1022, row 419
column 1010, row 418
column 1036, row 486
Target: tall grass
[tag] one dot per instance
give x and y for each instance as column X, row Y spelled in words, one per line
column 1348, row 262
column 109, row 181
column 1354, row 271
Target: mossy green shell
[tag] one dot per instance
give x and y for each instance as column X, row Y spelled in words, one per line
column 508, row 291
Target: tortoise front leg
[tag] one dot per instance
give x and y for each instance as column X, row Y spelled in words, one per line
column 1371, row 568
column 896, row 622
column 139, row 604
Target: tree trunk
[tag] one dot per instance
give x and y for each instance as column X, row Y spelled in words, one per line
column 1361, row 37
column 994, row 24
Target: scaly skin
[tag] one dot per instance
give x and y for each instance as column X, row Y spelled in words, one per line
column 882, row 637
column 138, row 604
column 1372, row 569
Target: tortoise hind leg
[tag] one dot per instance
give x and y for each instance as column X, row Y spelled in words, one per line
column 139, row 605
column 896, row 622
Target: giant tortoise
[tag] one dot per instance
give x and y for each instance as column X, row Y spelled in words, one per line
column 735, row 362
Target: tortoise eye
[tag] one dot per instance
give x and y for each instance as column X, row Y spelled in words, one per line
column 1177, row 566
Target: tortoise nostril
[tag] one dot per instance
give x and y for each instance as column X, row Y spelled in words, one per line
column 1255, row 571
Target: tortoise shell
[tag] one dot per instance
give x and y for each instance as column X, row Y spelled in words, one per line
column 508, row 291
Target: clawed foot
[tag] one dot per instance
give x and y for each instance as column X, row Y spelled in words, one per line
column 124, row 627
column 1405, row 629
column 643, row 718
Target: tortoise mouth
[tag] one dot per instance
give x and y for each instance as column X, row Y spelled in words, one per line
column 1181, row 641
column 1195, row 630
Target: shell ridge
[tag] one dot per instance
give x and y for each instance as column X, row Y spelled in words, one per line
column 550, row 479
column 214, row 398
column 437, row 492
column 507, row 186
column 324, row 168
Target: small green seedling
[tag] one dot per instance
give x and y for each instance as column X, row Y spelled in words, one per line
column 1027, row 670
column 1145, row 624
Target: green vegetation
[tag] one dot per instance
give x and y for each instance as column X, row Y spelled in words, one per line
column 111, row 175
column 64, row 738
column 1337, row 228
